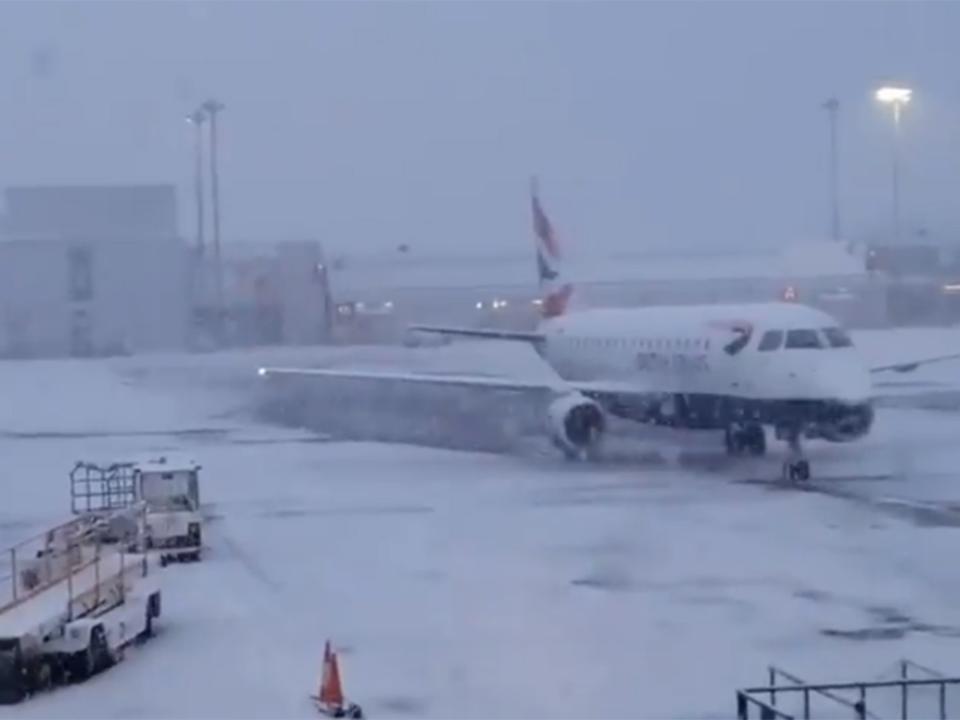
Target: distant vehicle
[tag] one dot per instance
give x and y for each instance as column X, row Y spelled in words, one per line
column 169, row 490
column 735, row 368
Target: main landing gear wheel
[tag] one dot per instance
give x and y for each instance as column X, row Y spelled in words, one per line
column 796, row 470
column 745, row 439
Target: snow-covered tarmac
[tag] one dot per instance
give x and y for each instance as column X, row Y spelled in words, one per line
column 470, row 584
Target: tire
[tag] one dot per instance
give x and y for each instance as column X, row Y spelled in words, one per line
column 758, row 441
column 153, row 611
column 798, row 471
column 82, row 664
column 102, row 659
column 729, row 441
column 13, row 695
column 44, row 680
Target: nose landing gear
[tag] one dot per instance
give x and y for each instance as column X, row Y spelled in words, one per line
column 796, row 468
column 741, row 439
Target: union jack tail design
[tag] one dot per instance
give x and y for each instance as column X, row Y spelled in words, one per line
column 556, row 292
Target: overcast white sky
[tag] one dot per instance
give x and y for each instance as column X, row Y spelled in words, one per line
column 371, row 124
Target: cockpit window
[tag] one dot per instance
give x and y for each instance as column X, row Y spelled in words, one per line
column 803, row 340
column 837, row 337
column 771, row 340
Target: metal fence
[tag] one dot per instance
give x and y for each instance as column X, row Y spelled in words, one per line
column 856, row 698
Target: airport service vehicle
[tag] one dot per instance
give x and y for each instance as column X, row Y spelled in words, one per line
column 72, row 599
column 732, row 368
column 169, row 489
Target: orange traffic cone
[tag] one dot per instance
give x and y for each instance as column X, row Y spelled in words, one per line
column 330, row 700
column 331, row 691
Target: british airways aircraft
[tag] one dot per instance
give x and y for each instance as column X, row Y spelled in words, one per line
column 738, row 369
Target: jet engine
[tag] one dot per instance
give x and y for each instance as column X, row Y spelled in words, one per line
column 845, row 423
column 576, row 423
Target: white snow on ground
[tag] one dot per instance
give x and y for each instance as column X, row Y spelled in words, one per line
column 462, row 584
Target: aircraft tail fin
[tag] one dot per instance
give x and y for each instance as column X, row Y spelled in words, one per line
column 555, row 290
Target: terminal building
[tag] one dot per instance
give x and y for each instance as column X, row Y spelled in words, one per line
column 91, row 271
column 378, row 296
column 103, row 270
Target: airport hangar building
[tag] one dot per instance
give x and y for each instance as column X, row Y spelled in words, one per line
column 103, row 270
column 376, row 297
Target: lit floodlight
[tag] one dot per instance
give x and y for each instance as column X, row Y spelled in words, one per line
column 894, row 94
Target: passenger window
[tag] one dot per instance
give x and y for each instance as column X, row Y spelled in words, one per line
column 803, row 340
column 771, row 340
column 837, row 337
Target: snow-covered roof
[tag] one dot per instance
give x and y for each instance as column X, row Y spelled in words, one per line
column 167, row 463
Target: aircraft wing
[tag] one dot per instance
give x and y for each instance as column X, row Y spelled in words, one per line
column 530, row 337
column 486, row 381
column 911, row 365
column 557, row 386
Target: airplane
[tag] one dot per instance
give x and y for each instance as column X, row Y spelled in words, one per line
column 732, row 368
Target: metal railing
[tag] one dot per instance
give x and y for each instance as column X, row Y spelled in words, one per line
column 96, row 488
column 64, row 552
column 41, row 561
column 764, row 699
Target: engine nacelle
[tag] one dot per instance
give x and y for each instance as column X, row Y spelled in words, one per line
column 576, row 423
column 846, row 424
